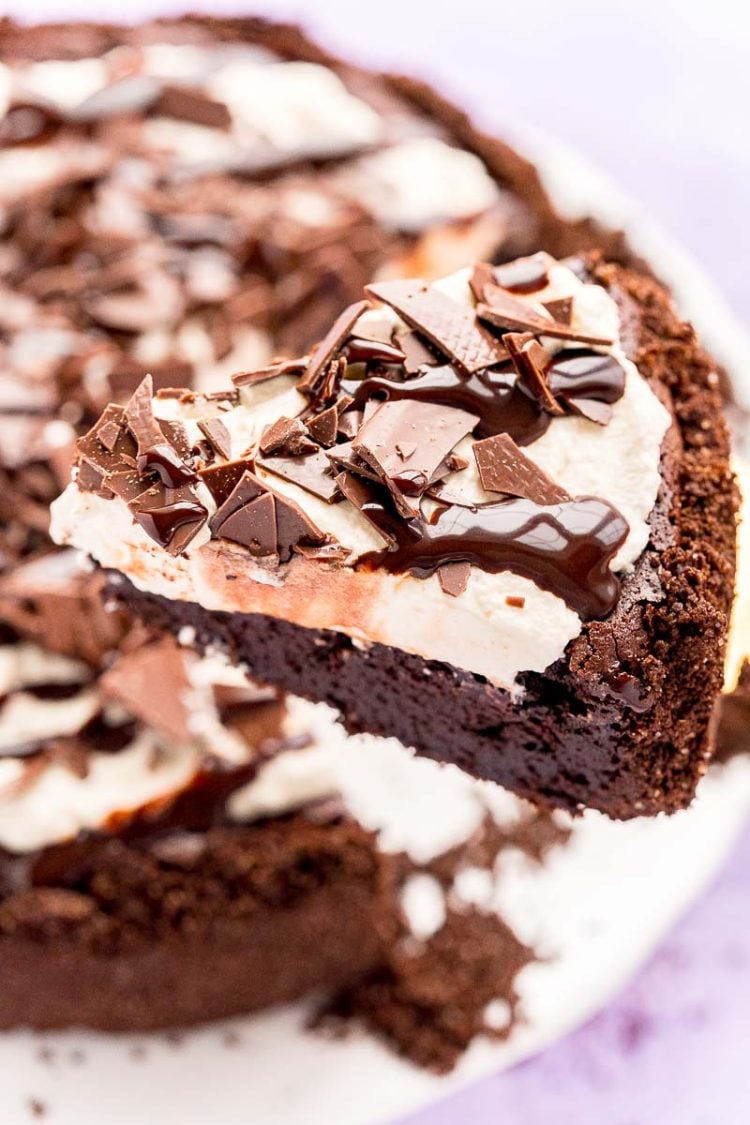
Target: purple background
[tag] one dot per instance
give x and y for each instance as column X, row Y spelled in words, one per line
column 657, row 93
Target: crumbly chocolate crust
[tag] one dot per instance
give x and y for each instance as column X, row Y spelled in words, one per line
column 195, row 927
column 621, row 723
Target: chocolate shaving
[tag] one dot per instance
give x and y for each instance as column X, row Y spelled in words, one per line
column 253, row 525
column 416, row 353
column 324, row 352
column 504, row 468
column 154, row 453
column 530, row 360
column 288, row 436
column 323, row 427
column 218, row 435
column 220, row 480
column 451, row 327
column 311, row 471
column 430, row 431
column 273, row 371
column 506, row 312
column 599, row 412
column 108, row 435
column 454, row 578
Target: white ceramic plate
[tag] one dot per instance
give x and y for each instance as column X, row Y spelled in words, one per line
column 597, row 909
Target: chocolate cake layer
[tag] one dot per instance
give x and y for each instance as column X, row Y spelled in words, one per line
column 619, row 721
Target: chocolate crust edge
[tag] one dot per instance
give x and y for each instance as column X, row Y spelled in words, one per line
column 263, row 915
column 622, row 723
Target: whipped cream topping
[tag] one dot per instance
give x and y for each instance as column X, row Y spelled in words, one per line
column 502, row 624
column 49, row 799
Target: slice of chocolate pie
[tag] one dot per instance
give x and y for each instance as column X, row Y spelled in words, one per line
column 491, row 516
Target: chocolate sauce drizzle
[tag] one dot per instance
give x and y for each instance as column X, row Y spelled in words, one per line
column 564, row 548
column 494, row 396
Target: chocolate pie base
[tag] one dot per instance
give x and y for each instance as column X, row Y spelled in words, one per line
column 622, row 722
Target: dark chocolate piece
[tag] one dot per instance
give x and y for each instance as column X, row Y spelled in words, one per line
column 360, row 350
column 154, row 453
column 451, row 327
column 273, row 371
column 246, row 489
column 531, row 359
column 218, row 435
column 560, row 310
column 172, row 525
column 581, row 373
column 504, row 468
column 506, row 312
column 294, row 528
column 312, row 471
column 326, row 350
column 186, row 103
column 221, row 479
column 253, row 525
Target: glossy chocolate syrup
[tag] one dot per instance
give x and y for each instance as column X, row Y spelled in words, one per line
column 494, row 396
column 164, row 460
column 564, row 548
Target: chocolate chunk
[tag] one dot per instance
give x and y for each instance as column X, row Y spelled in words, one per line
column 416, row 353
column 273, row 371
column 221, row 479
column 218, row 435
column 174, row 525
column 481, row 280
column 362, row 495
column 504, row 468
column 104, row 456
column 560, row 310
column 525, row 275
column 323, row 427
column 246, row 489
column 294, row 528
column 349, row 423
column 189, row 104
column 108, row 434
column 326, row 350
column 530, row 360
column 154, row 453
column 515, row 601
column 451, row 327
column 504, row 311
column 152, row 683
column 599, row 412
column 430, row 431
column 288, row 436
column 253, row 526
column 361, row 350
column 311, row 471
column 454, row 578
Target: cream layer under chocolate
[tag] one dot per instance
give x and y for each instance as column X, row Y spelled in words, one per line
column 500, row 624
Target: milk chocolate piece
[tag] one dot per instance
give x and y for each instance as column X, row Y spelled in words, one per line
column 323, row 427
column 294, row 528
column 172, row 525
column 253, row 525
column 599, row 412
column 287, row 436
column 152, row 683
column 530, row 359
column 416, row 353
column 189, row 104
column 454, row 578
column 312, row 471
column 504, row 468
column 451, row 327
column 221, row 479
column 560, row 310
column 154, row 453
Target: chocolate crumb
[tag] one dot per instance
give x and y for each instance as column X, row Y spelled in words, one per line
column 517, row 601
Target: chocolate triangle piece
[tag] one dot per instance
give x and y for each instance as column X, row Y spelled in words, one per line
column 294, row 527
column 323, row 427
column 530, row 360
column 218, row 435
column 560, row 310
column 221, row 479
column 454, row 578
column 325, row 351
column 152, row 683
column 504, row 311
column 247, row 489
column 253, row 526
column 503, row 467
column 108, row 434
column 185, row 103
column 451, row 327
